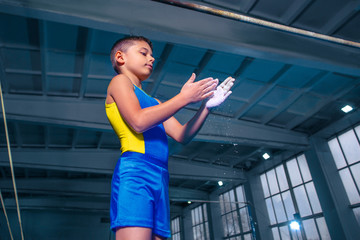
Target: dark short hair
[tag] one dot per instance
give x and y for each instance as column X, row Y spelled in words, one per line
column 123, row 44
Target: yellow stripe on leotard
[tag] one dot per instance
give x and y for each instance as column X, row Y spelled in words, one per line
column 129, row 139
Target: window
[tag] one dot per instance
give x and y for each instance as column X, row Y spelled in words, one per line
column 289, row 189
column 345, row 150
column 235, row 215
column 200, row 224
column 175, row 229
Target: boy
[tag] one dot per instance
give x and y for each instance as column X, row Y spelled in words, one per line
column 139, row 197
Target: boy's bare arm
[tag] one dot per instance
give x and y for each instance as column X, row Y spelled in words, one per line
column 185, row 133
column 121, row 90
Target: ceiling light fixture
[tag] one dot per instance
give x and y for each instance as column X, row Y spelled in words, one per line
column 347, row 109
column 266, row 156
column 220, row 183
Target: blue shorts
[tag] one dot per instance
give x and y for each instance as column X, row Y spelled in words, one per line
column 140, row 194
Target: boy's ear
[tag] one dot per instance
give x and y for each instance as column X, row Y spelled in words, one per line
column 119, row 57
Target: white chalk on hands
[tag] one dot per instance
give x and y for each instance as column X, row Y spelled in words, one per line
column 221, row 93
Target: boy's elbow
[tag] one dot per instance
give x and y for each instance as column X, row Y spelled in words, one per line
column 138, row 127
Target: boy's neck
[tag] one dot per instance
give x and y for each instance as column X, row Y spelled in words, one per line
column 135, row 80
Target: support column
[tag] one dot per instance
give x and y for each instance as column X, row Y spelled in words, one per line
column 340, row 219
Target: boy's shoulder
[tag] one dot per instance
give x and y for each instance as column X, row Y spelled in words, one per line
column 120, row 80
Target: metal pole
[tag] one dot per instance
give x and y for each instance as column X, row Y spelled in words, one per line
column 256, row 21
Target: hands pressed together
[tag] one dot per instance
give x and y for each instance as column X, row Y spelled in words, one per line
column 208, row 89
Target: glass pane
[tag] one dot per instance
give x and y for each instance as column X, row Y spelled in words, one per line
column 227, row 202
column 284, row 232
column 279, row 209
column 324, row 231
column 205, row 212
column 200, row 213
column 193, row 217
column 178, row 224
column 289, row 205
column 173, row 226
column 274, row 188
column 199, row 231
column 350, row 146
column 232, row 200
column 240, row 196
column 355, row 170
column 236, row 222
column 357, row 130
column 230, row 222
column 225, row 225
column 302, row 201
column 294, row 172
column 304, row 168
column 282, row 178
column 275, row 233
column 349, row 185
column 337, row 153
column 264, row 185
column 270, row 211
column 247, row 236
column 357, row 214
column 245, row 222
column 197, row 216
column 313, row 197
column 194, row 233
column 310, row 229
column 221, row 199
column 296, row 234
column 207, row 231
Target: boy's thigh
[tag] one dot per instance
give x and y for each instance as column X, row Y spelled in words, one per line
column 133, row 233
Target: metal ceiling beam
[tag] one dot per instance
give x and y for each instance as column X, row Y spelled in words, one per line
column 104, row 161
column 44, row 55
column 343, row 15
column 295, row 10
column 69, row 204
column 196, row 29
column 300, row 119
column 86, row 61
column 90, row 114
column 262, row 92
column 294, row 97
column 60, row 187
column 60, row 203
column 97, row 188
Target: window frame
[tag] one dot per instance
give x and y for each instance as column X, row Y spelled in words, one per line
column 173, row 231
column 201, row 220
column 355, row 206
column 280, row 224
column 242, row 234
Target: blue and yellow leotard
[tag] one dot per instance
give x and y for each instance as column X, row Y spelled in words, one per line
column 153, row 142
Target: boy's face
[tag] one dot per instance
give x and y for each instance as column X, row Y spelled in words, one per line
column 138, row 59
